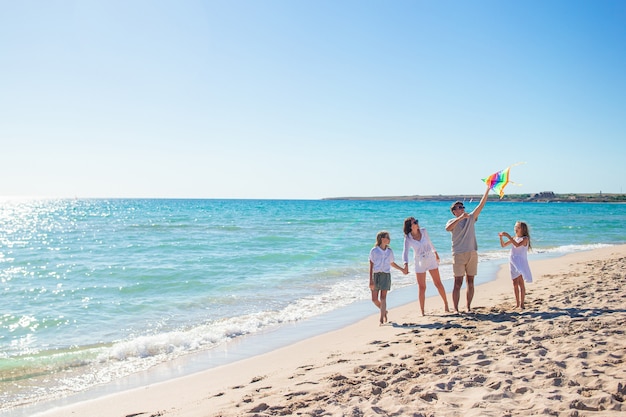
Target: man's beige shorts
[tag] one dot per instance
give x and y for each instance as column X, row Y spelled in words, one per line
column 465, row 264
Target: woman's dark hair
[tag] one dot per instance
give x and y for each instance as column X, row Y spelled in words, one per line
column 408, row 222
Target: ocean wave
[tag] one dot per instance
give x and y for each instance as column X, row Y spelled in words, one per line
column 571, row 248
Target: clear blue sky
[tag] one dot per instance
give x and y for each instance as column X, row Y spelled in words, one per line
column 307, row 99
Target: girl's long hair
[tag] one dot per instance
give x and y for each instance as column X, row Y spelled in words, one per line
column 525, row 232
column 380, row 236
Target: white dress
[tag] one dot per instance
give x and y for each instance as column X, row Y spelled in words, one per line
column 424, row 252
column 518, row 261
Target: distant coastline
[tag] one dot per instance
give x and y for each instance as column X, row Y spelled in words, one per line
column 542, row 197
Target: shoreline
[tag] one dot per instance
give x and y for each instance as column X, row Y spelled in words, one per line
column 247, row 346
column 301, row 375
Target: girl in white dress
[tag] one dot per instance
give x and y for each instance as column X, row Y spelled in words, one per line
column 518, row 260
column 426, row 259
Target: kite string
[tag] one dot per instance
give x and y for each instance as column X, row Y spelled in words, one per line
column 514, row 165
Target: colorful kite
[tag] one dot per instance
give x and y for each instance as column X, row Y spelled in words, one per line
column 499, row 180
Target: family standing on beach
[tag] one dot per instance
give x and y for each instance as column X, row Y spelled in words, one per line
column 464, row 259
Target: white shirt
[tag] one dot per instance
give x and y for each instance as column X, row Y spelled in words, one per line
column 381, row 259
column 421, row 248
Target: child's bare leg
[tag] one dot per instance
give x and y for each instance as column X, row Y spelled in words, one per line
column 375, row 299
column 383, row 306
column 516, row 290
column 522, row 295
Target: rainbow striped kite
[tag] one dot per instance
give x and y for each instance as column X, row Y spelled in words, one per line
column 499, row 180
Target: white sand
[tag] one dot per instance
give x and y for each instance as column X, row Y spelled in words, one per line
column 563, row 356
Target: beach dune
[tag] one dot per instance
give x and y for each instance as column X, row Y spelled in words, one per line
column 564, row 355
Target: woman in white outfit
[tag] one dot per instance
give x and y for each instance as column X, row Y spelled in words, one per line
column 426, row 259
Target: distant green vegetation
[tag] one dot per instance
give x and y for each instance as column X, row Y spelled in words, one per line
column 544, row 196
column 572, row 197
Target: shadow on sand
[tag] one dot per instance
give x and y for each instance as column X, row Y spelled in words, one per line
column 464, row 320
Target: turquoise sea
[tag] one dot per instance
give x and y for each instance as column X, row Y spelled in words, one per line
column 98, row 293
